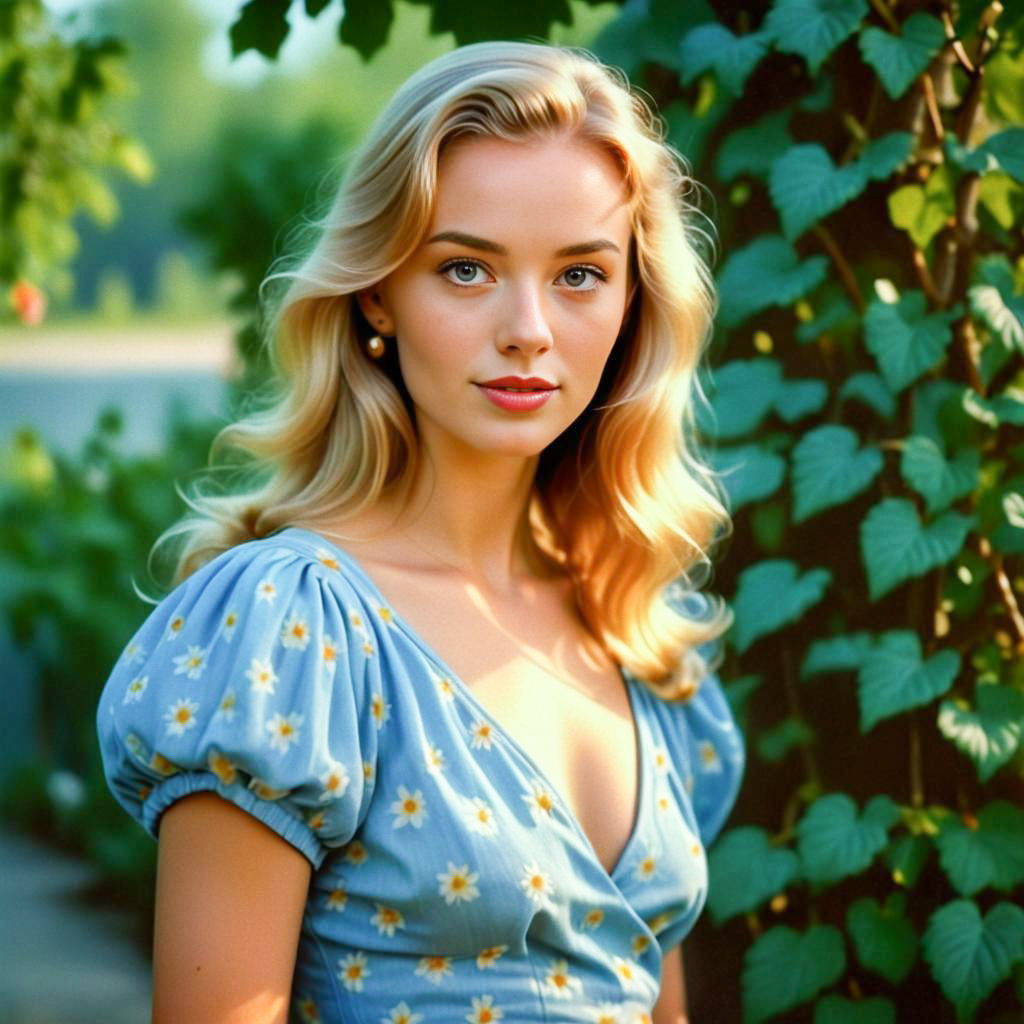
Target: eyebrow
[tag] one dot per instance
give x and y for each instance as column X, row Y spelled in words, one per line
column 485, row 245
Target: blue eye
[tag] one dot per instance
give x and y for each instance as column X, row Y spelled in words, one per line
column 463, row 272
column 577, row 278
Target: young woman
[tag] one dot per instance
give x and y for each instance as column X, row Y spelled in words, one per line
column 424, row 732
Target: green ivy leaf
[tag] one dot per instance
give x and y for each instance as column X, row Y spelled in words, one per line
column 885, row 940
column 989, row 734
column 836, row 654
column 829, row 470
column 899, row 59
column 766, row 273
column 772, row 594
column 904, row 339
column 896, row 547
column 806, row 187
column 834, row 843
column 939, row 482
column 775, row 743
column 893, row 678
column 1008, row 149
column 503, row 21
column 906, row 858
column 745, row 870
column 884, row 156
column 813, row 28
column 922, row 210
column 752, row 150
column 648, row 32
column 1006, row 408
column 994, row 300
column 731, row 57
column 871, row 390
column 315, row 7
column 835, row 1009
column 969, row 955
column 745, row 391
column 261, row 25
column 785, row 968
column 799, row 398
column 366, row 25
column 749, row 473
column 988, row 852
column 1003, row 198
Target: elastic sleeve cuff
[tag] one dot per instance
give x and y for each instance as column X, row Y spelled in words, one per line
column 273, row 815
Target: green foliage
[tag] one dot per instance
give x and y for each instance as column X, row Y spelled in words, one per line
column 837, row 1010
column 899, row 59
column 773, row 594
column 828, row 470
column 990, row 731
column 883, row 936
column 984, row 851
column 746, row 871
column 834, row 842
column 58, row 145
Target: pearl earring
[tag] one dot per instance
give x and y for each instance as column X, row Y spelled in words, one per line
column 375, row 346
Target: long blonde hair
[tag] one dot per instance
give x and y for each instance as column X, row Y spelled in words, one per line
column 621, row 500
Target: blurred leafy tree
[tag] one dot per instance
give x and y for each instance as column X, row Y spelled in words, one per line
column 57, row 145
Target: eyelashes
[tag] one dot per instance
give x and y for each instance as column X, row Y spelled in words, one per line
column 463, row 274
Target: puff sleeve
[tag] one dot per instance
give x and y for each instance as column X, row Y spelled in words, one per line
column 706, row 750
column 254, row 679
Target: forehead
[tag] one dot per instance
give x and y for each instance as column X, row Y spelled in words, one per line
column 556, row 190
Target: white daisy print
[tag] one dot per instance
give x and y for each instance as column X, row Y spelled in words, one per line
column 434, row 759
column 480, row 818
column 560, row 983
column 295, row 633
column 181, row 715
column 481, row 735
column 261, row 676
column 385, row 613
column 264, row 791
column 160, row 764
column 328, row 559
column 387, row 919
column 401, row 1014
column 317, row 820
column 226, row 707
column 229, row 625
column 484, row 1011
column 369, row 771
column 445, row 687
column 266, row 591
column 627, row 971
column 356, row 853
column 661, row 761
column 640, row 944
column 540, row 800
column 355, row 619
column 592, row 919
column 408, row 809
column 709, row 759
column 536, row 884
column 308, row 1011
column 191, row 663
column 329, row 652
column 434, row 968
column 221, row 767
column 135, row 746
column 176, row 626
column 284, row 731
column 658, row 922
column 646, row 869
column 334, row 781
column 458, row 884
column 606, row 1013
column 380, row 709
column 134, row 653
column 353, row 970
column 136, row 688
column 488, row 957
column 337, row 899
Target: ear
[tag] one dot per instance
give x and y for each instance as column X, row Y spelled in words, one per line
column 375, row 309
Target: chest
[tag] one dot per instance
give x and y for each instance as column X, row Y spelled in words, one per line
column 535, row 669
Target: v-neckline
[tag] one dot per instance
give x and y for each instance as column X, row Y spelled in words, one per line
column 640, row 796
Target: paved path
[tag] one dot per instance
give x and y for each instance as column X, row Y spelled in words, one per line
column 63, row 962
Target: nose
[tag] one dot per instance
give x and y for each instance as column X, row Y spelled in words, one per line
column 524, row 326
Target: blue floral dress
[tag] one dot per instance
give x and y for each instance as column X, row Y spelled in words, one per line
column 450, row 880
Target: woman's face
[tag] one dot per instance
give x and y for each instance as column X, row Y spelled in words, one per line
column 522, row 273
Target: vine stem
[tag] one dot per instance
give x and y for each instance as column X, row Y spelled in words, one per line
column 793, row 703
column 995, row 558
column 916, row 769
column 928, row 88
column 882, row 10
column 958, row 46
column 924, row 275
column 845, row 271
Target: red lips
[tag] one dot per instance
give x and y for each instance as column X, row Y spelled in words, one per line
column 520, row 382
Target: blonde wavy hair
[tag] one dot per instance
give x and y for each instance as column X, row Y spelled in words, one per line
column 621, row 500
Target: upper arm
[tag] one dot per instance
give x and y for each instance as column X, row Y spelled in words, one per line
column 671, row 1005
column 229, row 900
